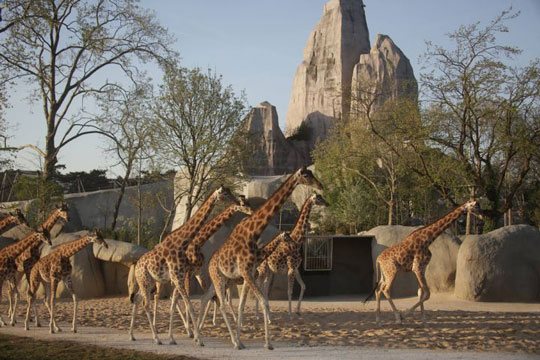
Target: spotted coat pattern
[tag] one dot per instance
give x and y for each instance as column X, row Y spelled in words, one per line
column 412, row 254
column 237, row 257
column 53, row 268
column 8, row 267
column 12, row 218
column 161, row 263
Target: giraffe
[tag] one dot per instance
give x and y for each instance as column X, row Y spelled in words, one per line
column 236, row 259
column 192, row 259
column 52, row 268
column 287, row 257
column 26, row 260
column 412, row 254
column 262, row 253
column 8, row 255
column 16, row 217
column 159, row 264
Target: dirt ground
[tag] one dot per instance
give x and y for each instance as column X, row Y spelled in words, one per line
column 452, row 324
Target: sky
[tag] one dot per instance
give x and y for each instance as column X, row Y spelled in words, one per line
column 257, row 45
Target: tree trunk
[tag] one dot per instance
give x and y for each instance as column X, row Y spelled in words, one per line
column 121, row 194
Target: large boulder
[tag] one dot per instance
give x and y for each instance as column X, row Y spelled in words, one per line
column 503, row 265
column 115, row 263
column 441, row 271
column 14, row 234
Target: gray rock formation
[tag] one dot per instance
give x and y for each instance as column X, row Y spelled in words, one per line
column 324, row 77
column 441, row 271
column 385, row 71
column 273, row 155
column 503, row 265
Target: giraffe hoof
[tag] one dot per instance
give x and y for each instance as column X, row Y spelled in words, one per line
column 74, row 331
column 132, row 338
column 38, row 325
column 269, row 346
column 172, row 342
column 199, row 342
column 158, row 342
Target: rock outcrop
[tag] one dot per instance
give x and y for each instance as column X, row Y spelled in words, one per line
column 324, row 77
column 274, row 155
column 385, row 72
column 441, row 271
column 503, row 265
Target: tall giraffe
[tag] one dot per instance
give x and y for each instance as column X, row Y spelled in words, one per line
column 16, row 217
column 191, row 258
column 287, row 257
column 8, row 268
column 158, row 264
column 53, row 268
column 412, row 254
column 26, row 260
column 237, row 257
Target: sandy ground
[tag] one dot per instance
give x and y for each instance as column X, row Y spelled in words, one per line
column 328, row 328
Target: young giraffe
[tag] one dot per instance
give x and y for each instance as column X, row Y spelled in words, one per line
column 52, row 269
column 8, row 268
column 15, row 217
column 192, row 259
column 412, row 254
column 237, row 257
column 26, row 260
column 287, row 257
column 159, row 264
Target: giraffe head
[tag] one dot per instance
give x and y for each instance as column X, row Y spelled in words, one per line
column 318, row 200
column 62, row 211
column 224, row 193
column 44, row 235
column 473, row 206
column 285, row 237
column 96, row 237
column 19, row 217
column 306, row 177
column 243, row 206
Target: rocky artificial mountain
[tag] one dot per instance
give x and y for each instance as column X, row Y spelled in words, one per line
column 337, row 60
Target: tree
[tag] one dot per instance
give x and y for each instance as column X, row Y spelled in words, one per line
column 126, row 117
column 483, row 114
column 62, row 48
column 198, row 131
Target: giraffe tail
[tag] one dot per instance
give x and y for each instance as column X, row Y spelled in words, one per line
column 377, row 270
column 133, row 287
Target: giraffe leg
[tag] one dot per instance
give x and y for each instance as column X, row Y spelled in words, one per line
column 378, row 293
column 205, row 301
column 145, row 292
column 228, row 298
column 220, row 284
column 53, row 327
column 179, row 283
column 241, row 303
column 29, row 302
column 13, row 292
column 156, row 300
column 2, row 322
column 290, row 285
column 136, row 300
column 266, row 289
column 302, row 289
column 248, row 280
column 69, row 285
column 423, row 289
column 389, row 279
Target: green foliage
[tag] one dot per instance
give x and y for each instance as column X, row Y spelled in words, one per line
column 302, row 133
column 45, row 195
column 82, row 181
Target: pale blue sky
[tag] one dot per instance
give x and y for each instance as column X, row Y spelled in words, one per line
column 257, row 46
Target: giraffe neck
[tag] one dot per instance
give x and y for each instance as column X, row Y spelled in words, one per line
column 437, row 228
column 19, row 247
column 74, row 247
column 209, row 229
column 269, row 248
column 8, row 220
column 300, row 227
column 262, row 216
column 190, row 228
column 51, row 220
